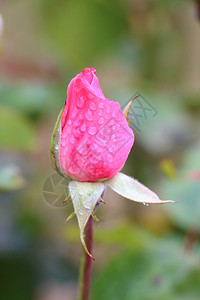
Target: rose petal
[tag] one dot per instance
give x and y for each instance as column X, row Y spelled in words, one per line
column 95, row 137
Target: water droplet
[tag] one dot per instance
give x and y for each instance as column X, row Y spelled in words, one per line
column 109, row 158
column 56, row 147
column 69, row 122
column 96, row 148
column 81, row 211
column 107, row 109
column 145, row 204
column 72, row 139
column 100, row 112
column 90, row 95
column 77, row 133
column 113, row 137
column 110, row 149
column 87, row 205
column 81, row 150
column 76, row 122
column 80, row 102
column 101, row 120
column 92, row 130
column 64, row 142
column 83, row 127
column 67, row 131
column 92, row 105
column 74, row 112
column 65, row 151
column 88, row 115
column 72, row 170
column 101, row 105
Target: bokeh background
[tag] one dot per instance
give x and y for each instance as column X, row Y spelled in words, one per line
column 144, row 253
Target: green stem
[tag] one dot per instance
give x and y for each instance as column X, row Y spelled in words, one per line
column 86, row 263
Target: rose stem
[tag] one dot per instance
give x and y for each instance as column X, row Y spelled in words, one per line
column 86, row 262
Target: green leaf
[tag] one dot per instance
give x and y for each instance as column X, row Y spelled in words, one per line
column 152, row 272
column 10, row 179
column 84, row 196
column 16, row 132
column 30, row 99
column 85, row 30
column 187, row 193
column 132, row 189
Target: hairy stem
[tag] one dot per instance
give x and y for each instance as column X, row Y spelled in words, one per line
column 86, row 263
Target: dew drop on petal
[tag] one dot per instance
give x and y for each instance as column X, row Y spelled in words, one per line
column 74, row 112
column 97, row 148
column 92, row 130
column 101, row 120
column 107, row 109
column 90, row 95
column 69, row 122
column 113, row 137
column 83, row 127
column 64, row 142
column 77, row 132
column 67, row 131
column 88, row 115
column 109, row 158
column 101, row 105
column 110, row 149
column 92, row 105
column 72, row 170
column 80, row 102
column 72, row 139
column 76, row 123
column 100, row 112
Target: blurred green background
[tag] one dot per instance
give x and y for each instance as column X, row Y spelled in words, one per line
column 142, row 253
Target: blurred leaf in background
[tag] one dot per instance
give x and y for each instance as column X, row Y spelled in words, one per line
column 84, row 31
column 10, row 179
column 154, row 272
column 16, row 131
column 186, row 190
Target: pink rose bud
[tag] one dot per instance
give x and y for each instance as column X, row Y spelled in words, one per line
column 91, row 140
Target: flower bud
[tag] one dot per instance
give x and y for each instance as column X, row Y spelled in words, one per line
column 91, row 140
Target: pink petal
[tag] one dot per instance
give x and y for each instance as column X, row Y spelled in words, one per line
column 95, row 137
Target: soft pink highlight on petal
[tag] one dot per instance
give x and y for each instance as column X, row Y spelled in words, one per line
column 95, row 136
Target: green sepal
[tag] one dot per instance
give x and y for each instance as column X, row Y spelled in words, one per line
column 132, row 189
column 84, row 197
column 55, row 144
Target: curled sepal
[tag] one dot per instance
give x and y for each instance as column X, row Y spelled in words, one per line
column 84, row 196
column 127, row 108
column 134, row 190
